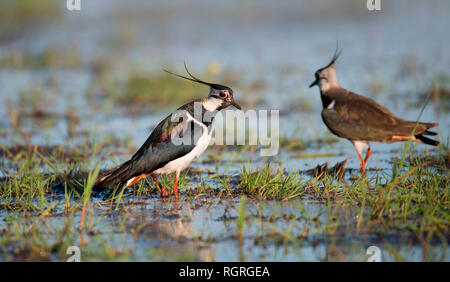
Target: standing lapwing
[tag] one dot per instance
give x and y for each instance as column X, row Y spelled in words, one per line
column 175, row 142
column 360, row 119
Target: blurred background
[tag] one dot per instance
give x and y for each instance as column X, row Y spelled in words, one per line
column 65, row 74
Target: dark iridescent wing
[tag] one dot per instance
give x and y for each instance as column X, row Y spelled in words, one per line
column 172, row 138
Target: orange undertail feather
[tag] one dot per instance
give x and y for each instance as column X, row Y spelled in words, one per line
column 136, row 179
column 419, row 138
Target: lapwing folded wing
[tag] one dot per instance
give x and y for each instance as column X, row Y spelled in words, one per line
column 360, row 119
column 175, row 142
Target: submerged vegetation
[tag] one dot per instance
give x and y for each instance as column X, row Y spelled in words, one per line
column 48, row 206
column 49, row 58
column 47, row 203
column 16, row 16
column 151, row 90
column 143, row 90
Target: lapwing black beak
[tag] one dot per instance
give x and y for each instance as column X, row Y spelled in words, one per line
column 236, row 105
column 314, row 83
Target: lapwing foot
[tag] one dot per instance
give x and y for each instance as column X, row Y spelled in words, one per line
column 362, row 169
column 363, row 174
column 164, row 192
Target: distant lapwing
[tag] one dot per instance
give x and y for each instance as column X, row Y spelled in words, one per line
column 175, row 142
column 360, row 119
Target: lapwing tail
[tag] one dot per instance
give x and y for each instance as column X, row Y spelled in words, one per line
column 427, row 126
column 428, row 132
column 427, row 140
column 118, row 176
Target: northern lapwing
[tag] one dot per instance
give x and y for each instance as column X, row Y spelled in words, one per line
column 175, row 142
column 360, row 119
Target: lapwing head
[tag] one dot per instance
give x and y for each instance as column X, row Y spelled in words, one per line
column 221, row 95
column 326, row 77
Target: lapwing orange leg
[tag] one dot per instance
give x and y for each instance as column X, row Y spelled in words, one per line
column 368, row 153
column 175, row 187
column 362, row 162
column 359, row 145
column 163, row 191
column 175, row 184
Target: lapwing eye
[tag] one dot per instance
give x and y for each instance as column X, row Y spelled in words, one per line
column 222, row 95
